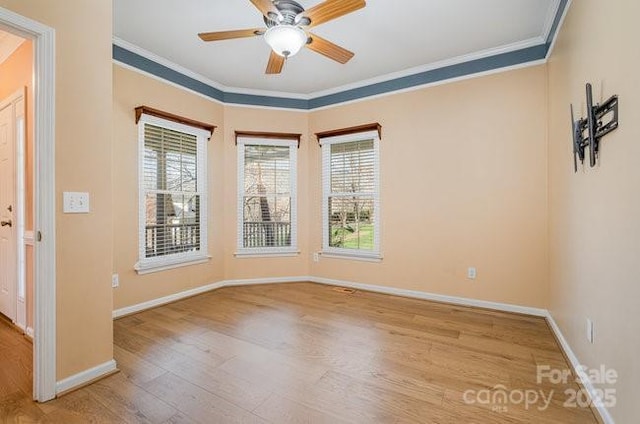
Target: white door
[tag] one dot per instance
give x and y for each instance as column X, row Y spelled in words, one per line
column 7, row 208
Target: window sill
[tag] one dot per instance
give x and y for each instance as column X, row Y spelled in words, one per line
column 263, row 254
column 148, row 268
column 364, row 257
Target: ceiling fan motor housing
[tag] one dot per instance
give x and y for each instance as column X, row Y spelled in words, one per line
column 290, row 11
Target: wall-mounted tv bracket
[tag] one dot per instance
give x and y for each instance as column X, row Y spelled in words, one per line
column 580, row 141
column 595, row 127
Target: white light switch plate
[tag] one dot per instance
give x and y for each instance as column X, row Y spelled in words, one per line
column 75, row 202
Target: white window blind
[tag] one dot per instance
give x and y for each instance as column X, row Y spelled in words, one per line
column 351, row 194
column 172, row 194
column 267, row 200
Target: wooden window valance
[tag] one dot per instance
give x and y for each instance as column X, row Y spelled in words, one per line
column 171, row 117
column 351, row 130
column 270, row 135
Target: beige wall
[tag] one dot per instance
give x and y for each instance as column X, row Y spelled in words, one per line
column 463, row 171
column 255, row 119
column 464, row 184
column 83, row 163
column 595, row 214
column 133, row 89
column 17, row 74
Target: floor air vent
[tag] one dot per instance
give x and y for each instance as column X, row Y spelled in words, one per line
column 344, row 290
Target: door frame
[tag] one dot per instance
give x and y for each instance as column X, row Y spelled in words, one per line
column 44, row 352
column 21, row 204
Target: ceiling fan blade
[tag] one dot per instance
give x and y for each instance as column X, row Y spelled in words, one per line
column 276, row 62
column 329, row 49
column 331, row 9
column 267, row 8
column 229, row 35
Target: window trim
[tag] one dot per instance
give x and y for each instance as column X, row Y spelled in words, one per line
column 373, row 255
column 268, row 135
column 359, row 129
column 246, row 252
column 149, row 111
column 162, row 263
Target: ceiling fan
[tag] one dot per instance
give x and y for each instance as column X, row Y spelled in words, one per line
column 287, row 29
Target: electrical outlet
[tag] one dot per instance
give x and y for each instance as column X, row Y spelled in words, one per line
column 589, row 330
column 115, row 280
column 471, row 273
column 316, row 257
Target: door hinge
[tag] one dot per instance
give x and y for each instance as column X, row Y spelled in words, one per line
column 38, row 236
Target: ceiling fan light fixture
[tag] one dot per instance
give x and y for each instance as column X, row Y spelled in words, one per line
column 285, row 40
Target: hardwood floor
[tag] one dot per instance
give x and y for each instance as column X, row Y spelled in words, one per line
column 304, row 353
column 16, row 359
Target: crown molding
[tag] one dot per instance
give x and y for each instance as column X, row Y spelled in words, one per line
column 561, row 14
column 166, row 62
column 434, row 84
column 524, row 57
column 201, row 78
column 197, row 93
column 165, row 81
column 552, row 15
column 508, row 48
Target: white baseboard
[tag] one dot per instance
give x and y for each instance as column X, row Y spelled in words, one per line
column 464, row 301
column 29, row 332
column 257, row 281
column 575, row 364
column 139, row 307
column 505, row 307
column 85, row 377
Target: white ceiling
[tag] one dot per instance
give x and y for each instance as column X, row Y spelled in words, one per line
column 390, row 38
column 8, row 44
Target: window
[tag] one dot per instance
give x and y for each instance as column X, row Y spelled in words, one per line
column 266, row 196
column 351, row 195
column 173, row 199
